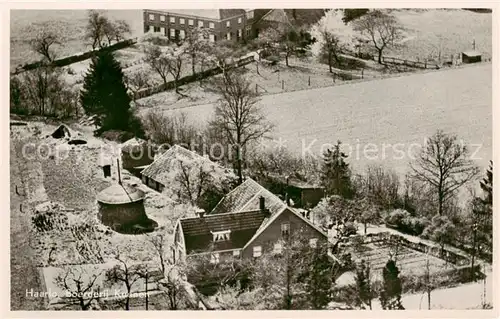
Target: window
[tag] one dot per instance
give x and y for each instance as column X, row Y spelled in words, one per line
column 257, row 251
column 162, row 18
column 172, row 19
column 191, row 22
column 212, row 37
column 162, row 31
column 228, row 23
column 250, row 15
column 278, row 248
column 182, row 34
column 151, row 29
column 249, row 30
column 151, row 17
column 228, row 36
column 211, row 25
column 285, row 229
column 172, row 33
column 240, row 33
column 236, row 253
column 182, row 21
column 200, row 24
column 313, row 242
column 239, row 20
column 221, row 235
column 214, row 258
column 157, row 29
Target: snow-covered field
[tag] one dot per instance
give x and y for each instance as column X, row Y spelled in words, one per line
column 382, row 120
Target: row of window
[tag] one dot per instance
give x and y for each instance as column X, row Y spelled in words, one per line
column 211, row 25
column 257, row 250
column 182, row 33
column 278, row 247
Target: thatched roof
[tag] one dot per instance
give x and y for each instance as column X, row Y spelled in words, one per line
column 120, row 194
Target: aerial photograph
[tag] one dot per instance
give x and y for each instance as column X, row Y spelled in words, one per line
column 251, row 159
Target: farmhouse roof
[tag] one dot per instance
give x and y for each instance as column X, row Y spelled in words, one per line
column 276, row 15
column 133, row 143
column 166, row 162
column 294, row 181
column 213, row 14
column 246, row 197
column 198, row 230
column 117, row 194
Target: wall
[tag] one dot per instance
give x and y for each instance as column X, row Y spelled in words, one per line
column 189, row 78
column 120, row 215
column 272, row 233
column 77, row 58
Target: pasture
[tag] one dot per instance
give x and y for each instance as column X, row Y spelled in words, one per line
column 381, row 121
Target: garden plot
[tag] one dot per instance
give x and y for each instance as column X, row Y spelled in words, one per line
column 409, row 261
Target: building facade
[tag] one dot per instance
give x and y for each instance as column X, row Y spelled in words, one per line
column 222, row 24
column 247, row 223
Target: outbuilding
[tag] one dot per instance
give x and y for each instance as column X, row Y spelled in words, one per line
column 121, row 207
column 471, row 56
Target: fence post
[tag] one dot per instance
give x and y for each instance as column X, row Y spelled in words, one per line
column 256, row 90
column 309, row 82
column 425, row 64
column 282, row 84
column 362, row 73
column 334, row 76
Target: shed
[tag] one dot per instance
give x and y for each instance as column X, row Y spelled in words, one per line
column 471, row 56
column 121, row 207
column 135, row 153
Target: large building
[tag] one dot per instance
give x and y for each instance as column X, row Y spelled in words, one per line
column 222, row 24
column 248, row 222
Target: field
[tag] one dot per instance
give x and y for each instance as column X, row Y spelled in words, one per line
column 411, row 109
column 451, row 31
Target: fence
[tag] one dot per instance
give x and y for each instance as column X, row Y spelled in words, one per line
column 410, row 63
column 190, row 78
column 420, row 246
column 76, row 58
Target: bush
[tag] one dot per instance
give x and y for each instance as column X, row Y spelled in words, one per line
column 403, row 221
column 117, row 136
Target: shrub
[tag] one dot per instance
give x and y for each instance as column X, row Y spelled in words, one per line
column 403, row 221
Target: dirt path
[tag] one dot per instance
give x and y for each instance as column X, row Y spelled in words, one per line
column 24, row 275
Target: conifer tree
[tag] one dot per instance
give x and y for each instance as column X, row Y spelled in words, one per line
column 319, row 278
column 390, row 296
column 363, row 285
column 336, row 174
column 104, row 93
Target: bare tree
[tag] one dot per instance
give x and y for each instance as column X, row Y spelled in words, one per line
column 175, row 58
column 126, row 274
column 137, row 81
column 80, row 284
column 381, row 29
column 331, row 47
column 157, row 61
column 196, row 43
column 445, row 166
column 238, row 115
column 44, row 41
column 97, row 23
column 158, row 242
column 115, row 30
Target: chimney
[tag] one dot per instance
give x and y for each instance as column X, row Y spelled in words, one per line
column 262, row 203
column 200, row 213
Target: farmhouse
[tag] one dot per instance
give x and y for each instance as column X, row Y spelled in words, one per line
column 166, row 166
column 246, row 223
column 222, row 24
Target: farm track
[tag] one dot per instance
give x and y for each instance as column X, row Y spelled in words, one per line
column 24, row 274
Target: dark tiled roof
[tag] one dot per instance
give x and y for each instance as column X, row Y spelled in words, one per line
column 198, row 236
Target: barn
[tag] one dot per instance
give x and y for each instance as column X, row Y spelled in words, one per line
column 471, row 56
